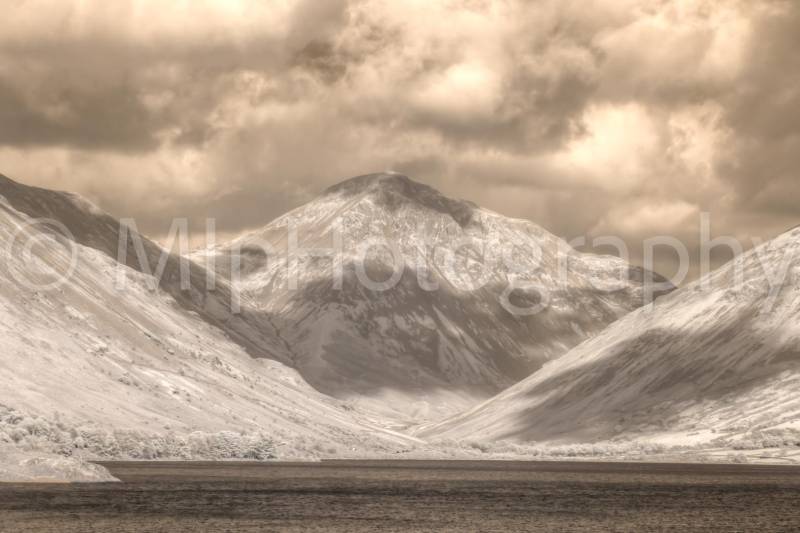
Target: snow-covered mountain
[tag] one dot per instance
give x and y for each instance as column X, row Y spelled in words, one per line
column 715, row 360
column 95, row 354
column 444, row 335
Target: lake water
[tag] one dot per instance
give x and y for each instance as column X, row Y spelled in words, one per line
column 457, row 496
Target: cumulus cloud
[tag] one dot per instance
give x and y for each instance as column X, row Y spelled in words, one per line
column 630, row 116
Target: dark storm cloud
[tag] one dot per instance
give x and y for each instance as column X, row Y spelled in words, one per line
column 620, row 116
column 763, row 161
column 119, row 120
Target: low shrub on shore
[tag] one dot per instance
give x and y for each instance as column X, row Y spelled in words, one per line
column 33, row 433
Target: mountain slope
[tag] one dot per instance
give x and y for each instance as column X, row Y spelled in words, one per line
column 440, row 338
column 92, row 353
column 91, row 228
column 715, row 359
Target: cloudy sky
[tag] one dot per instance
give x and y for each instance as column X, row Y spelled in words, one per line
column 624, row 117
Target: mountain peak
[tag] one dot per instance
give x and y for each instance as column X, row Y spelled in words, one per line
column 377, row 181
column 393, row 190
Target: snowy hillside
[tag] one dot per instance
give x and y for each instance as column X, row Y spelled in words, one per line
column 441, row 338
column 88, row 358
column 719, row 359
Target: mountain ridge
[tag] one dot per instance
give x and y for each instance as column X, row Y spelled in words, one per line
column 712, row 361
column 357, row 341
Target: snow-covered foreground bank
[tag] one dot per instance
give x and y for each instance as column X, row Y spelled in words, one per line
column 18, row 466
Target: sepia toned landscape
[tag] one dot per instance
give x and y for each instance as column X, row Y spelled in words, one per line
column 367, row 265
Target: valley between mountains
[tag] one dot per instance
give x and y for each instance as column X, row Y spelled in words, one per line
column 381, row 318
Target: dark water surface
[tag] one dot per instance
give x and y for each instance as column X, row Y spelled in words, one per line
column 457, row 496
